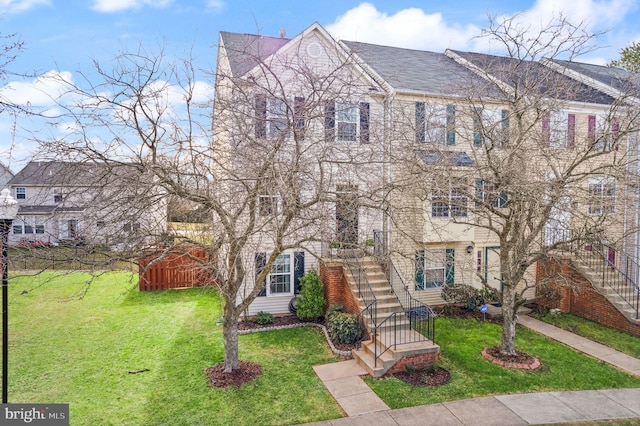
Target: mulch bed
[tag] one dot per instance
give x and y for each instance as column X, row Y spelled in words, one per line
column 247, row 372
column 280, row 321
column 520, row 360
column 425, row 378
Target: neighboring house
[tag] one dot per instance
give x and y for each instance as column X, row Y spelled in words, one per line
column 80, row 203
column 5, row 175
column 409, row 109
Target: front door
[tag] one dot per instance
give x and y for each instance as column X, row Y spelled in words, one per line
column 492, row 273
column 347, row 215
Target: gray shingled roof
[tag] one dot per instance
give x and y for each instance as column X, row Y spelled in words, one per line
column 245, row 51
column 529, row 75
column 59, row 173
column 416, row 70
column 617, row 78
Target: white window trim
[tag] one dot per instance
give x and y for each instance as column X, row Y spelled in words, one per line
column 274, row 205
column 277, row 119
column 347, row 114
column 604, row 200
column 290, row 273
column 447, row 195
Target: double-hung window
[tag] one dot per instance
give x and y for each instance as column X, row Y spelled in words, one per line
column 281, row 276
column 435, row 123
column 559, row 129
column 491, row 127
column 434, row 268
column 602, row 195
column 275, row 119
column 347, row 122
column 21, row 193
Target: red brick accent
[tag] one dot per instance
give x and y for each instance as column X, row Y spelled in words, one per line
column 577, row 296
column 416, row 361
column 519, row 365
column 336, row 288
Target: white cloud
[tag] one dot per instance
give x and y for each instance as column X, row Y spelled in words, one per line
column 215, row 5
column 413, row 28
column 40, row 92
column 17, row 6
column 109, row 6
column 409, row 28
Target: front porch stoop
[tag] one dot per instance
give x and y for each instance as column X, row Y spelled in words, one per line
column 393, row 356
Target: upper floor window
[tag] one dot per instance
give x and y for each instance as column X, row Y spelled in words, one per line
column 21, row 193
column 487, row 193
column 603, row 133
column 57, row 198
column 267, row 205
column 450, row 200
column 347, row 122
column 602, row 195
column 435, row 123
column 490, row 127
column 275, row 119
column 559, row 129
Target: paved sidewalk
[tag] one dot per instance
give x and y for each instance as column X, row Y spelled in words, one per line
column 364, row 407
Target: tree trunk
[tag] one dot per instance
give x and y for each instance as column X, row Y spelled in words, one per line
column 508, row 346
column 230, row 336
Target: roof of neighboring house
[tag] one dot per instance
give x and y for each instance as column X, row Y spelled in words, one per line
column 531, row 74
column 618, row 78
column 416, row 70
column 245, row 51
column 60, row 173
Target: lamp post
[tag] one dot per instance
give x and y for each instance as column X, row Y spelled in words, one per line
column 8, row 212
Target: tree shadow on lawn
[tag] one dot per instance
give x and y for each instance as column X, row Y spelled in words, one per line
column 288, row 391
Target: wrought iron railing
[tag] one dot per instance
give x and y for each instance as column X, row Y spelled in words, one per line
column 611, row 269
column 364, row 290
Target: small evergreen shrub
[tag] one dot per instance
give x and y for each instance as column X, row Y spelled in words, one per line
column 463, row 294
column 311, row 302
column 343, row 327
column 263, row 318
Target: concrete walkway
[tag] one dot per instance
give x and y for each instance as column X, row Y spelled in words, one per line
column 364, row 407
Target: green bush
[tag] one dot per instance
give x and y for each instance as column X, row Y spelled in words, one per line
column 334, row 309
column 263, row 318
column 467, row 295
column 343, row 327
column 311, row 302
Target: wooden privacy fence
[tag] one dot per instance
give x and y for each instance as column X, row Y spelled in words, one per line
column 179, row 269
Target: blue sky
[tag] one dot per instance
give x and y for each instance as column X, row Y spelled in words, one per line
column 64, row 36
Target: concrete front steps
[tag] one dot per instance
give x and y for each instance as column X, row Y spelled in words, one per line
column 395, row 343
column 594, row 276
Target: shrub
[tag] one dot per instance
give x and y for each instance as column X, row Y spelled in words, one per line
column 311, row 301
column 334, row 309
column 343, row 327
column 467, row 295
column 263, row 318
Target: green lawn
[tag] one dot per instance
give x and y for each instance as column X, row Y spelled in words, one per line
column 69, row 345
column 471, row 375
column 623, row 342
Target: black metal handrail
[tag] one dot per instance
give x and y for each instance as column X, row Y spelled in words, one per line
column 365, row 292
column 619, row 272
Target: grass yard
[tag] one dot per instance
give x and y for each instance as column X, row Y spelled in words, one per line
column 69, row 345
column 471, row 375
column 611, row 337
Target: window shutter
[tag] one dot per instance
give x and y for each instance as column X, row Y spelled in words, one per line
column 419, row 285
column 502, row 201
column 571, row 131
column 504, row 115
column 479, row 192
column 449, row 266
column 299, row 116
column 364, row 122
column 546, row 129
column 451, row 124
column 298, row 270
column 329, row 120
column 615, row 131
column 261, row 261
column 591, row 129
column 260, row 116
column 421, row 135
